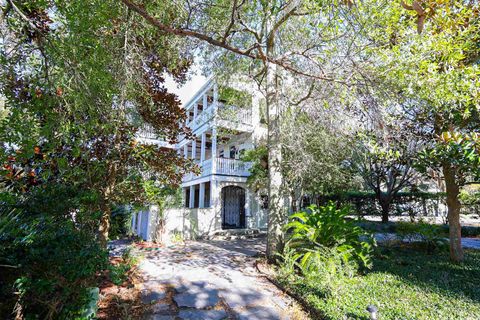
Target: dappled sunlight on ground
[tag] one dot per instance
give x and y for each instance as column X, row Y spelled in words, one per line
column 213, row 280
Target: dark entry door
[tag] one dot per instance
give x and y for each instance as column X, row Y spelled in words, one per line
column 233, row 207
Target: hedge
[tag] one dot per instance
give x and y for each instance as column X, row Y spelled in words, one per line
column 411, row 204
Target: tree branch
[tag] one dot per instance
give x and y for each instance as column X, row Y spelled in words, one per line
column 232, row 22
column 218, row 43
column 183, row 32
column 22, row 15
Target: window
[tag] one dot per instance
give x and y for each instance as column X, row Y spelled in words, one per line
column 264, row 201
column 207, row 195
column 196, row 200
column 233, row 152
column 187, row 197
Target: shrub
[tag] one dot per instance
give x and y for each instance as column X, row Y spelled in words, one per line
column 470, row 201
column 318, row 229
column 412, row 204
column 470, row 231
column 432, row 236
column 120, row 222
column 118, row 273
column 52, row 243
column 324, row 274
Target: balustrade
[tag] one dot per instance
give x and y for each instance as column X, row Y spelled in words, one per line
column 236, row 115
column 224, row 166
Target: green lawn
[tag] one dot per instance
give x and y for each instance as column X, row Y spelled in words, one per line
column 403, row 284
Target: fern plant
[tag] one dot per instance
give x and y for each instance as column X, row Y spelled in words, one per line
column 316, row 228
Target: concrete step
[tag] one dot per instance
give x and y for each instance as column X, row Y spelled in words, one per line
column 233, row 234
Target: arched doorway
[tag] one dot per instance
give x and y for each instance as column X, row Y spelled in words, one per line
column 233, row 207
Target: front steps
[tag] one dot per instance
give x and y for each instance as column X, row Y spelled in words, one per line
column 233, row 234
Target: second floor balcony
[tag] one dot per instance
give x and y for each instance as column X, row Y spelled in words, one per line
column 221, row 166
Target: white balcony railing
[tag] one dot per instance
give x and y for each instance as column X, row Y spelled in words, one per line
column 232, row 114
column 206, row 167
column 235, row 114
column 229, row 167
column 147, row 132
column 232, row 167
column 203, row 117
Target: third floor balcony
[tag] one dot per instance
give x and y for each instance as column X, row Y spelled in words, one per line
column 221, row 115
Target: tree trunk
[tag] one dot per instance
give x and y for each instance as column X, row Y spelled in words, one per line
column 275, row 206
column 104, row 224
column 105, row 202
column 453, row 205
column 294, row 202
column 385, row 212
column 385, row 205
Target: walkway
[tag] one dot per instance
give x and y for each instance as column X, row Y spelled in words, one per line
column 212, row 280
column 469, row 243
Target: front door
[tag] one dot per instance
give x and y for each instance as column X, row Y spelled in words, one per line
column 233, row 207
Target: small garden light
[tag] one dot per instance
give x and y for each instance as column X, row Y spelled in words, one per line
column 373, row 312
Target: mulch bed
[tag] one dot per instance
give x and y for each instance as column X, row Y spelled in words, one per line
column 120, row 301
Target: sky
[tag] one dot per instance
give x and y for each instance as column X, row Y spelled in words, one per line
column 186, row 91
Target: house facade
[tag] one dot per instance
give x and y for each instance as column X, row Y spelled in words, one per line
column 217, row 198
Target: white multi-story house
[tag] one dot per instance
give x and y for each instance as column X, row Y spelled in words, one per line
column 217, row 198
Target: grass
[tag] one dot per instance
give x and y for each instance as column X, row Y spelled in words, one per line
column 404, row 284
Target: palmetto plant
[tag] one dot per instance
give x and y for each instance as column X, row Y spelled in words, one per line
column 316, row 228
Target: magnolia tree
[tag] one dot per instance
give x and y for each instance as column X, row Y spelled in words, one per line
column 73, row 79
column 428, row 51
column 77, row 81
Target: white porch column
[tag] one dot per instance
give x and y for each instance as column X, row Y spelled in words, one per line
column 147, row 230
column 215, row 93
column 191, row 204
column 202, row 147
column 214, row 150
column 255, row 111
column 185, row 151
column 195, row 110
column 194, row 148
column 139, row 223
column 201, row 195
column 248, row 212
column 134, row 221
column 205, row 101
column 213, row 194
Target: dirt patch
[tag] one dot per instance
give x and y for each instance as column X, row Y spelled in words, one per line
column 146, row 245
